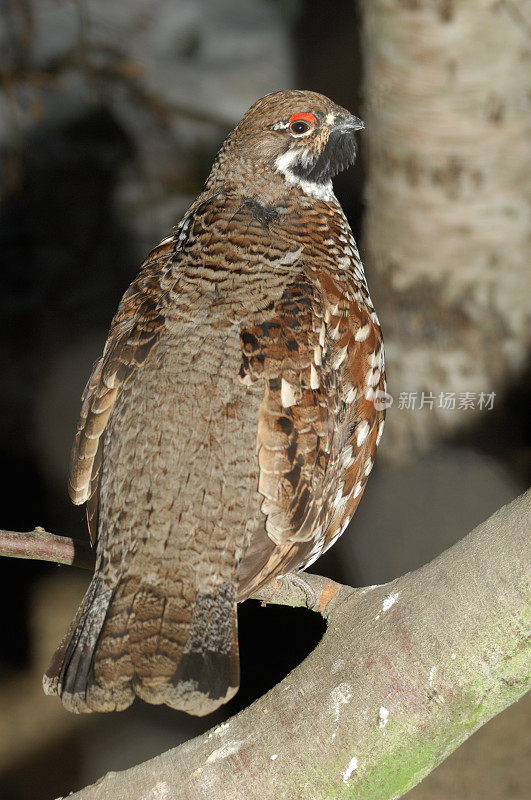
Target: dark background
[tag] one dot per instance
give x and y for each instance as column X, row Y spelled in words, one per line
column 95, row 169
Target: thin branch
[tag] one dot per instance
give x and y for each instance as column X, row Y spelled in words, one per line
column 40, row 545
column 308, row 591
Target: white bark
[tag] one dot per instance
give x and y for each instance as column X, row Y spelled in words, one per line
column 447, row 230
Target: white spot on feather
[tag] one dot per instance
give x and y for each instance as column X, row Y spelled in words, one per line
column 314, row 378
column 334, row 332
column 350, row 396
column 362, row 333
column 182, row 230
column 361, row 432
column 375, row 377
column 317, row 355
column 340, row 498
column 339, row 357
column 352, row 766
column 287, row 395
column 347, row 457
column 289, row 257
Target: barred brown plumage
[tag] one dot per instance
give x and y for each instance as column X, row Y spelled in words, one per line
column 227, row 432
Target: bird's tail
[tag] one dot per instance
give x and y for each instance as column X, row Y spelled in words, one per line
column 136, row 640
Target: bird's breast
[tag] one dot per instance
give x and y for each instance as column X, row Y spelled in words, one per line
column 180, row 472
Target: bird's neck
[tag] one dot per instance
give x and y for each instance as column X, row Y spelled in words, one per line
column 270, row 184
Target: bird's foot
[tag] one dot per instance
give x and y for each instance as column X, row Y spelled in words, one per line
column 295, row 580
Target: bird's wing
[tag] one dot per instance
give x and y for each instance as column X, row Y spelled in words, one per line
column 135, row 328
column 318, row 422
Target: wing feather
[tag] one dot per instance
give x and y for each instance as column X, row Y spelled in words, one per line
column 136, row 327
column 318, row 422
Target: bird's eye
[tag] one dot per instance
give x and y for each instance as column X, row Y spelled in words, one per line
column 301, row 123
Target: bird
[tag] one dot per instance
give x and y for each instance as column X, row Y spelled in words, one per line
column 229, row 427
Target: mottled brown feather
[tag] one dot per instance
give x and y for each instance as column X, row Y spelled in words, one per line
column 134, row 331
column 227, row 431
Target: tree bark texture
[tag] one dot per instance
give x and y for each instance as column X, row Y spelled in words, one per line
column 39, row 545
column 403, row 675
column 447, row 228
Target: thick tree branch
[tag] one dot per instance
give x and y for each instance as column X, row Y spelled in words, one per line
column 403, row 675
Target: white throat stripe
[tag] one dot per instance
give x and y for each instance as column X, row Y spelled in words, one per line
column 320, row 191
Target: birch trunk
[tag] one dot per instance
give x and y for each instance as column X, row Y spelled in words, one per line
column 447, row 229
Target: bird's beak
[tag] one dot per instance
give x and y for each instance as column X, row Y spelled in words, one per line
column 350, row 123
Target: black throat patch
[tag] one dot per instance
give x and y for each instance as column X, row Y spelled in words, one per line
column 338, row 154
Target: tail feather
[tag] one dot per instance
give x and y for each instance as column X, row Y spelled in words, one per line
column 52, row 679
column 136, row 640
column 207, row 672
column 158, row 630
column 70, row 672
column 77, row 664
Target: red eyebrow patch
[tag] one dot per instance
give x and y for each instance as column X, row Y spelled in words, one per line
column 306, row 117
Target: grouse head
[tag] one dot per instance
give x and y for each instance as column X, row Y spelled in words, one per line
column 298, row 137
